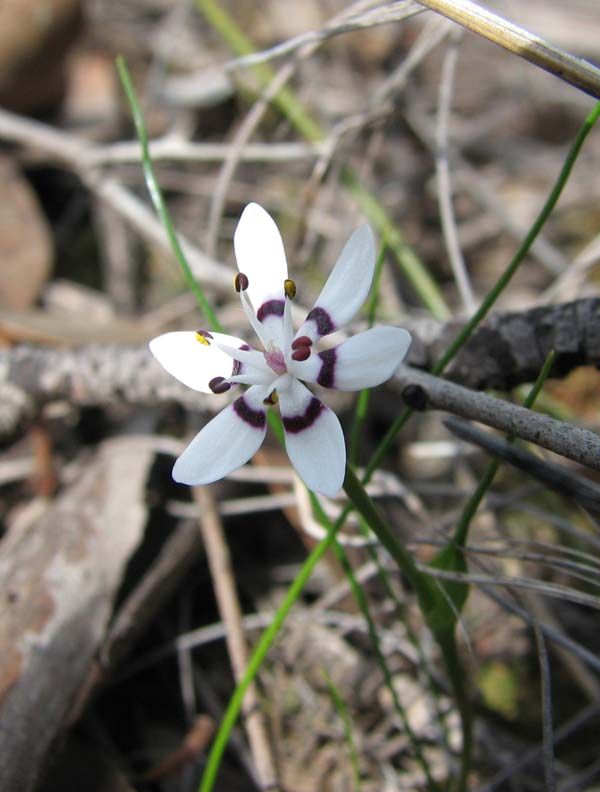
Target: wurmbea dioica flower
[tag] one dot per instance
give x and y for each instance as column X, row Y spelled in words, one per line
column 210, row 361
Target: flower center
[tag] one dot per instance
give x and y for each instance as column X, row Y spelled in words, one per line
column 275, row 360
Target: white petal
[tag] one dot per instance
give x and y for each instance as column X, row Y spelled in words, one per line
column 260, row 255
column 314, row 439
column 362, row 361
column 225, row 443
column 191, row 362
column 346, row 288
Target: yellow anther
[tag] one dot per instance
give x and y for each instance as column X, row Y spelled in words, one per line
column 203, row 336
column 289, row 288
column 271, row 399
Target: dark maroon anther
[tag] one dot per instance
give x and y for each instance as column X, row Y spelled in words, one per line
column 301, row 353
column 241, row 282
column 303, row 341
column 219, row 385
column 204, row 333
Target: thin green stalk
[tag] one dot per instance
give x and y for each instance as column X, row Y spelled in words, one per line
column 285, row 99
column 360, row 416
column 458, row 680
column 360, row 597
column 158, row 199
column 362, row 403
column 433, row 601
column 365, row 506
column 342, row 711
column 297, row 586
column 290, row 107
column 258, row 655
column 384, row 577
column 525, row 246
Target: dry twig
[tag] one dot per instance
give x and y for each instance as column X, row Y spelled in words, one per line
column 474, row 17
column 425, row 391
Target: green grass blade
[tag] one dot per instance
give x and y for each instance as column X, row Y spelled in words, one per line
column 360, row 597
column 158, row 198
column 342, row 711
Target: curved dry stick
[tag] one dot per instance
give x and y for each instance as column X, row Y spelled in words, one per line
column 567, row 67
column 220, row 565
column 444, row 183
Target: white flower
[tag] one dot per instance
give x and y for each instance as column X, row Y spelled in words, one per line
column 208, row 361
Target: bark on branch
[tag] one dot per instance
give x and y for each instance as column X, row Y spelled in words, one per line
column 510, row 348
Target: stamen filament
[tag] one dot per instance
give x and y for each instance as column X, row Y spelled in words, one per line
column 288, row 327
column 250, row 357
column 256, row 325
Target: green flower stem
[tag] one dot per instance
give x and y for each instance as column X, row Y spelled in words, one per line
column 258, row 655
column 384, row 577
column 360, row 597
column 365, row 506
column 360, row 415
column 158, row 199
column 458, row 679
column 433, row 601
column 361, row 600
column 290, row 107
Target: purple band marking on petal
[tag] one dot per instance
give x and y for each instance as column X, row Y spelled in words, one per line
column 326, row 376
column 298, row 423
column 270, row 308
column 254, row 418
column 322, row 319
